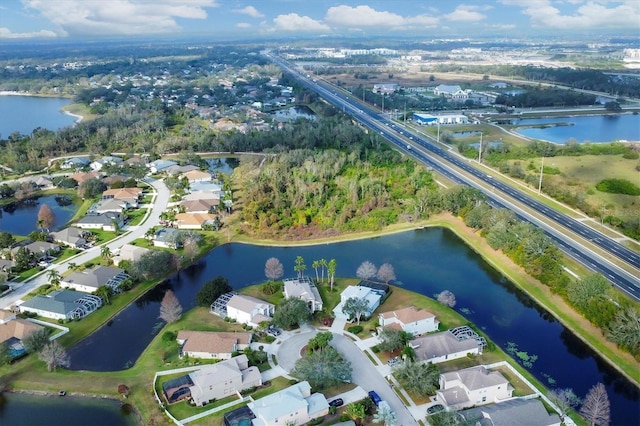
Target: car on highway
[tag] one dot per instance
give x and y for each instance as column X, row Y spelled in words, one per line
column 338, row 402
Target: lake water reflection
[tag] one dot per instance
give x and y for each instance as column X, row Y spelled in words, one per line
column 25, row 113
column 597, row 128
column 21, row 218
column 426, row 261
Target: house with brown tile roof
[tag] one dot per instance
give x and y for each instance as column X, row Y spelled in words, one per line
column 13, row 330
column 212, row 344
column 200, row 205
column 410, row 319
column 83, row 177
column 194, row 220
column 122, row 193
column 197, row 176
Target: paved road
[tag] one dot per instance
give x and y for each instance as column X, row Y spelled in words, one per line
column 364, row 373
column 153, row 218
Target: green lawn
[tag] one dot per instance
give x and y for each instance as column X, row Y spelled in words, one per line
column 136, row 216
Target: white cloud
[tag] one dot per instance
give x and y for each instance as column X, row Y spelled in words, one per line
column 243, row 25
column 295, row 22
column 465, row 13
column 591, row 14
column 250, row 11
column 6, row 33
column 367, row 17
column 119, row 17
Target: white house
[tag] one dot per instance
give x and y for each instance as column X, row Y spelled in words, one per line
column 372, row 296
column 472, row 386
column 451, row 92
column 101, row 162
column 62, row 304
column 215, row 381
column 249, row 310
column 441, row 347
column 89, row 280
column 129, row 253
column 212, row 344
column 304, row 289
column 293, row 405
column 410, row 319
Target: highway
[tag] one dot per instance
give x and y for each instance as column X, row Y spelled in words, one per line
column 460, row 170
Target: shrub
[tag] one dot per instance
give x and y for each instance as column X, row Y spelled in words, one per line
column 355, row 329
column 169, row 336
column 270, row 339
column 618, row 186
column 3, row 287
column 375, row 349
column 631, row 155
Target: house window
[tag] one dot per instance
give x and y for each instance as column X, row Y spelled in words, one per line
column 484, row 399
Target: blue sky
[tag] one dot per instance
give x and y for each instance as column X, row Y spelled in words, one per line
column 86, row 19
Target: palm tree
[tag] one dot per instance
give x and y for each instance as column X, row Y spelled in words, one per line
column 331, row 271
column 323, row 266
column 300, row 266
column 385, row 415
column 355, row 411
column 54, row 277
column 72, row 266
column 315, row 265
column 105, row 252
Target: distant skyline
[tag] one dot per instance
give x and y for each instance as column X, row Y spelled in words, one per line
column 236, row 19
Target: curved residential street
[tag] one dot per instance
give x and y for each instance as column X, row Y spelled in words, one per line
column 364, row 373
column 160, row 202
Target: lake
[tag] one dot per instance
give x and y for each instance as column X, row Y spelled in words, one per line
column 596, row 128
column 21, row 218
column 25, row 113
column 36, row 410
column 426, row 261
column 294, row 113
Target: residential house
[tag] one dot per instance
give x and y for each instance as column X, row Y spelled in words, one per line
column 249, row 310
column 83, row 177
column 75, row 163
column 39, row 249
column 374, row 297
column 98, row 164
column 454, row 92
column 385, row 88
column 293, row 405
column 304, row 289
column 129, row 253
column 215, row 381
column 202, row 186
column 194, row 220
column 62, row 304
column 110, row 206
column 130, row 195
column 136, row 161
column 13, row 330
column 212, row 344
column 6, row 265
column 167, row 237
column 90, row 279
column 441, row 347
column 160, row 166
column 105, row 221
column 205, row 205
column 203, row 195
column 177, row 169
column 410, row 319
column 472, row 386
column 518, row 411
column 197, row 176
column 73, row 237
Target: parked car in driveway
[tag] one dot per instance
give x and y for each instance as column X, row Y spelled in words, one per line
column 272, row 331
column 338, row 402
column 435, row 409
column 375, row 397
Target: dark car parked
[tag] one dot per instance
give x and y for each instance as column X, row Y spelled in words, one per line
column 375, row 397
column 338, row 402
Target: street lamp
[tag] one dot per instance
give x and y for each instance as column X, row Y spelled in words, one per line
column 480, row 150
column 541, row 171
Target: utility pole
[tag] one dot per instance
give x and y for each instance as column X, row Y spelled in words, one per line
column 438, row 122
column 383, row 103
column 541, row 171
column 480, row 150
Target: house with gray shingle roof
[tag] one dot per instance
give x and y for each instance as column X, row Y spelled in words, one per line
column 62, row 304
column 130, row 253
column 89, row 280
column 160, row 166
column 305, row 290
column 104, row 221
column 293, row 405
column 472, row 386
column 74, row 237
column 441, row 347
column 518, row 411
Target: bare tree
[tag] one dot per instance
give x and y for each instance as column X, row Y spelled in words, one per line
column 366, row 270
column 596, row 409
column 170, row 308
column 386, row 273
column 565, row 399
column 189, row 249
column 447, row 298
column 46, row 217
column 54, row 355
column 273, row 269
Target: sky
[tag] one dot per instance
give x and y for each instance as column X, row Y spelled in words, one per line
column 92, row 19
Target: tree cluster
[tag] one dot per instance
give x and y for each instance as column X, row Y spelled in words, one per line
column 322, row 369
column 291, row 313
